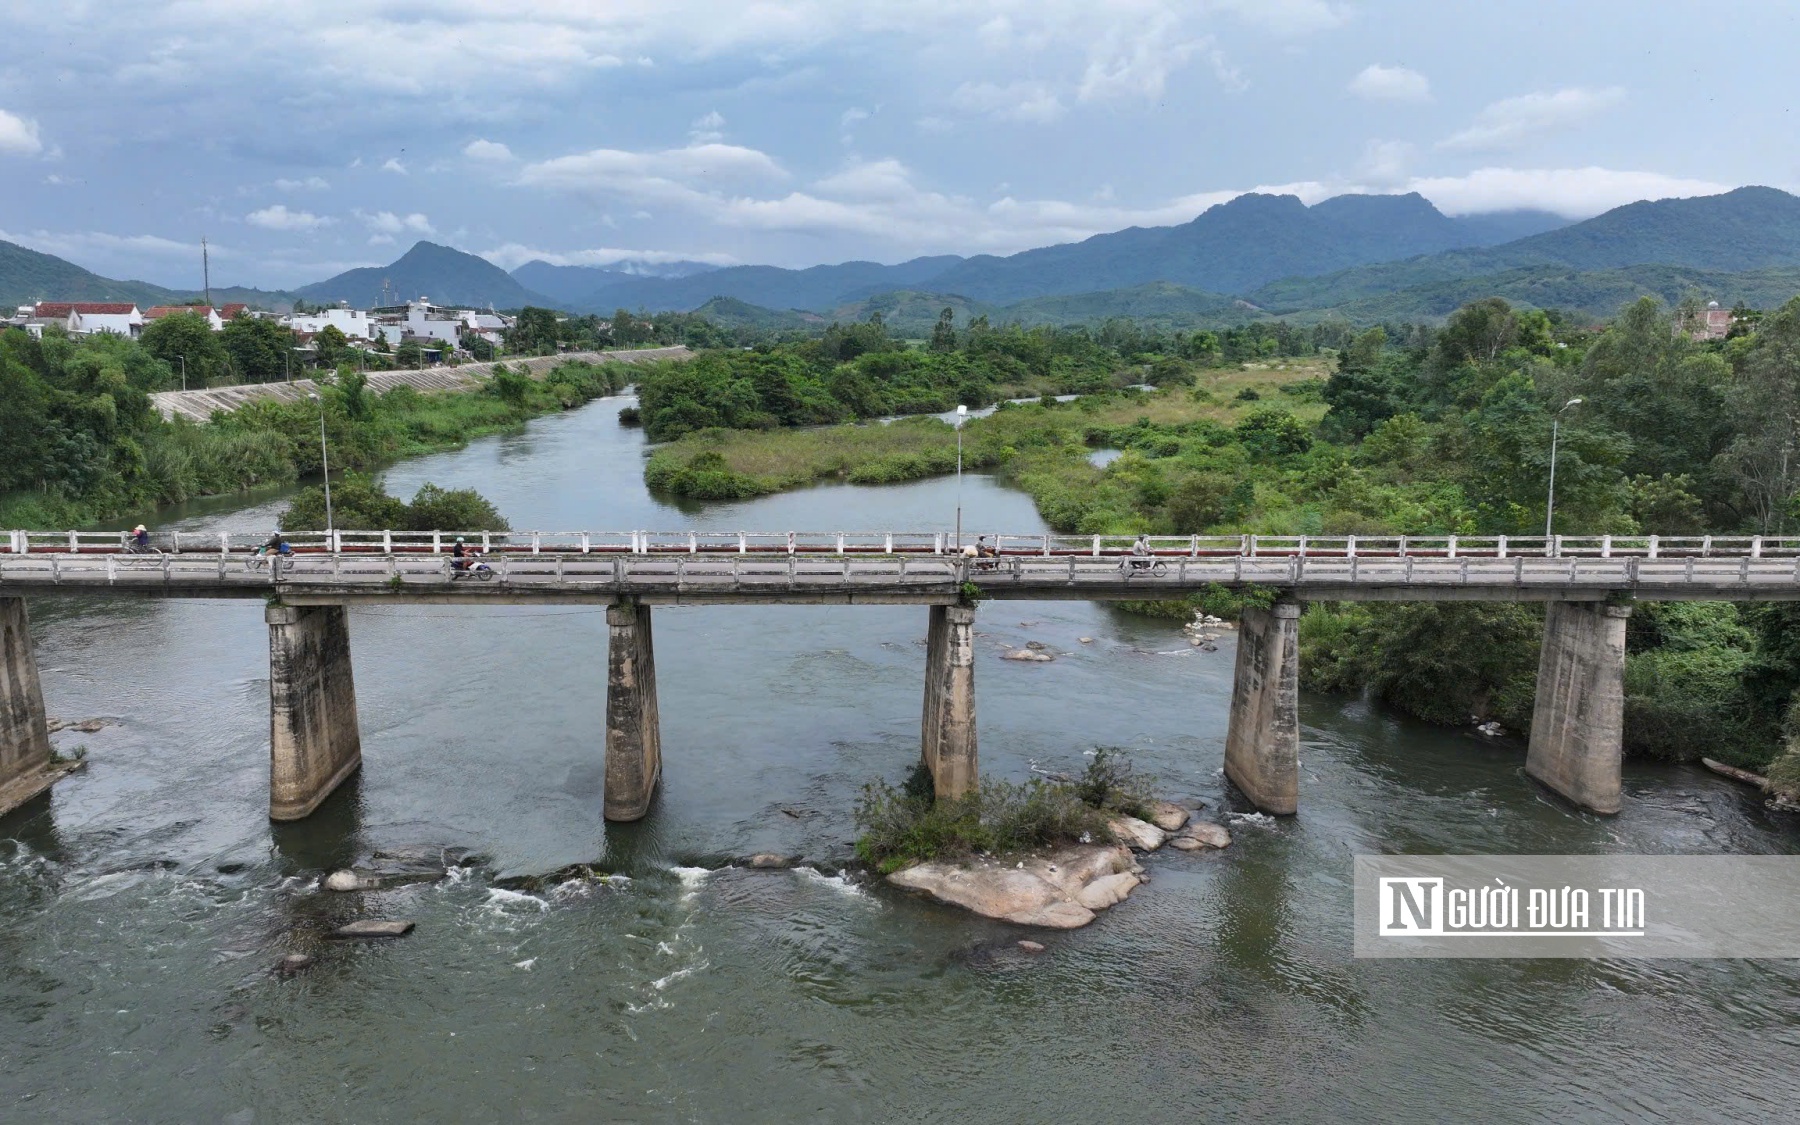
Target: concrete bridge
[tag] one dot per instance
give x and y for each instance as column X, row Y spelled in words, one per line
column 1588, row 584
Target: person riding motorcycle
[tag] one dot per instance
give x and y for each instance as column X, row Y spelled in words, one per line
column 276, row 545
column 459, row 558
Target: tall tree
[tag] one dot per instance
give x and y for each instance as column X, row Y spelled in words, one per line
column 258, row 348
column 186, row 339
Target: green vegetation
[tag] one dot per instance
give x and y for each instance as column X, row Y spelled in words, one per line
column 905, row 824
column 357, row 501
column 1400, row 429
column 83, row 444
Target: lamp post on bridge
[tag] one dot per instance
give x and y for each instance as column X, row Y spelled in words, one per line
column 325, row 465
column 962, row 413
column 1550, row 504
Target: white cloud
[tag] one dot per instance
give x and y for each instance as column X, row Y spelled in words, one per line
column 1575, row 193
column 381, row 240
column 1380, row 83
column 79, row 242
column 512, row 255
column 1138, row 63
column 851, row 116
column 310, row 183
column 278, row 217
column 707, row 128
column 1015, row 101
column 1288, row 17
column 1515, row 121
column 386, row 222
column 19, row 135
column 1385, row 162
column 393, row 165
column 677, row 174
column 487, row 150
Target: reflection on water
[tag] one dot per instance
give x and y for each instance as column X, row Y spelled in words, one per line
column 142, row 904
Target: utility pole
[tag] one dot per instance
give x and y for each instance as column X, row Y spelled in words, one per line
column 206, row 270
column 1550, row 501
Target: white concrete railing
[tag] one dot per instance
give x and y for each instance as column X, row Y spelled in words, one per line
column 696, row 542
column 761, row 574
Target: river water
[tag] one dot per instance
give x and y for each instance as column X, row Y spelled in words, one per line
column 143, row 903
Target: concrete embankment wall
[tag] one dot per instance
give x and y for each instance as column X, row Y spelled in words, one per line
column 199, row 406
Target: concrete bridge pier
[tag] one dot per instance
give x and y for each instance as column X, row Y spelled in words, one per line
column 314, row 740
column 633, row 730
column 25, row 766
column 947, row 736
column 1262, row 742
column 1578, row 722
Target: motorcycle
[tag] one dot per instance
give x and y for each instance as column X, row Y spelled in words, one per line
column 472, row 567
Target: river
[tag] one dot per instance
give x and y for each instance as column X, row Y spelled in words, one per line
column 143, row 903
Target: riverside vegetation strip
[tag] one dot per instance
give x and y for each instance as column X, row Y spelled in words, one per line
column 82, row 443
column 1400, row 429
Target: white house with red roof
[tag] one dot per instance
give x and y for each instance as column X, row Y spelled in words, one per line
column 214, row 318
column 87, row 318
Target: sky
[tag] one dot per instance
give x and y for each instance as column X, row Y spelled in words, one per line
column 305, row 139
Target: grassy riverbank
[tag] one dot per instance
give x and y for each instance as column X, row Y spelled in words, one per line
column 84, row 445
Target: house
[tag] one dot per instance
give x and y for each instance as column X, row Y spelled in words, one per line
column 211, row 315
column 232, row 311
column 1712, row 323
column 88, row 318
column 355, row 324
column 421, row 319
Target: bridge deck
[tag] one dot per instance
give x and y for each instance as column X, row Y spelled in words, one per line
column 1768, row 570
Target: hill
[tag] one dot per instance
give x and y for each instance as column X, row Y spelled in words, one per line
column 27, row 275
column 1597, row 293
column 733, row 313
column 1751, row 228
column 445, row 275
column 817, row 288
column 573, row 284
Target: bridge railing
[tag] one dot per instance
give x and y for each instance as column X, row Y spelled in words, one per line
column 889, row 543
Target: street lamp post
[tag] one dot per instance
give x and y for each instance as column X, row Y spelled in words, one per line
column 962, row 413
column 325, row 464
column 1550, row 504
column 183, row 360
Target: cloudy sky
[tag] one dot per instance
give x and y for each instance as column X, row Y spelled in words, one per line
column 307, row 138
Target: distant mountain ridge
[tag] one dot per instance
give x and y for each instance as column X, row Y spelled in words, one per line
column 443, row 274
column 573, row 285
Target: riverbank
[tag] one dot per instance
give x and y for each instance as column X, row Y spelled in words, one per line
column 277, row 440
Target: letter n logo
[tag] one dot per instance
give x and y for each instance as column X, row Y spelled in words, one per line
column 1411, row 907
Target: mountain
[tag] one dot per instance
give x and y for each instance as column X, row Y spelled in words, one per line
column 1751, row 228
column 1597, row 293
column 27, row 276
column 572, row 284
column 444, row 275
column 733, row 313
column 817, row 288
column 1229, row 248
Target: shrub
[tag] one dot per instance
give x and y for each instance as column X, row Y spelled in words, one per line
column 904, row 824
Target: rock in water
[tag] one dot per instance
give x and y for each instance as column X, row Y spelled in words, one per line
column 1136, row 833
column 1040, row 891
column 1027, row 654
column 1204, row 834
column 294, row 963
column 373, row 929
column 345, row 880
column 1167, row 815
column 769, row 861
column 1032, row 946
column 1104, row 892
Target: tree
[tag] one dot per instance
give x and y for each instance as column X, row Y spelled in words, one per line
column 258, row 348
column 943, row 336
column 187, row 339
column 1477, row 333
column 534, row 333
column 331, row 344
column 1763, row 460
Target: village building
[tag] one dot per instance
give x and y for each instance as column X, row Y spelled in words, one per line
column 88, row 318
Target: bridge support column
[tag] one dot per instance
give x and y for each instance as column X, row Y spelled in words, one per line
column 314, row 740
column 1262, row 742
column 633, row 730
column 25, row 766
column 1578, row 723
column 947, row 737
